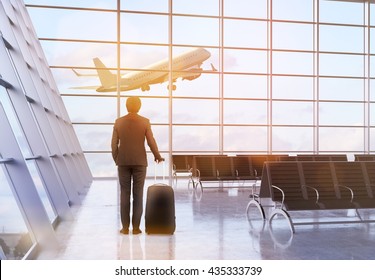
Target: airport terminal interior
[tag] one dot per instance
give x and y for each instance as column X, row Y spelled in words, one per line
column 264, row 111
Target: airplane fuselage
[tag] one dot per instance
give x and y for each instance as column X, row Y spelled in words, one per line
column 158, row 72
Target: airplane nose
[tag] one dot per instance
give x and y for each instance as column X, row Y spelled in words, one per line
column 207, row 53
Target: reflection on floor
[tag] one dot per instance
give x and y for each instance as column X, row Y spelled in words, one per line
column 211, row 225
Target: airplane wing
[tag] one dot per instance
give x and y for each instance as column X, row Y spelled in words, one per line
column 192, row 73
column 83, row 75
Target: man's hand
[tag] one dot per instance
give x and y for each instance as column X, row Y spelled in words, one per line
column 158, row 160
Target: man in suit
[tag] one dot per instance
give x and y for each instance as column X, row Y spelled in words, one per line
column 129, row 154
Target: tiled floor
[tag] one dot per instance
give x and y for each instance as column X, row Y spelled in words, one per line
column 211, row 225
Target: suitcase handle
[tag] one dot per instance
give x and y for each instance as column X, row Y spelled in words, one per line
column 155, row 164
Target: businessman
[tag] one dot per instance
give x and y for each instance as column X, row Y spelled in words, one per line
column 128, row 151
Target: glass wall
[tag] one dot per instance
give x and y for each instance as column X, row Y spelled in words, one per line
column 281, row 76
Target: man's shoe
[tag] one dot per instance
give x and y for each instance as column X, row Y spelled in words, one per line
column 137, row 231
column 124, row 231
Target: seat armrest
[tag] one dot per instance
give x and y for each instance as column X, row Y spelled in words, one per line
column 351, row 191
column 282, row 195
column 314, row 189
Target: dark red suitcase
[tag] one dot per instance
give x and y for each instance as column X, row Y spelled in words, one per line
column 160, row 210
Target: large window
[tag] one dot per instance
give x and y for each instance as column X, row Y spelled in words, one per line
column 282, row 76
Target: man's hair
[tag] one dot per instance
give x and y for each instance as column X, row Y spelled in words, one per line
column 133, row 104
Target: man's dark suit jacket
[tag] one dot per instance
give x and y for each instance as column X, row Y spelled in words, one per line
column 128, row 140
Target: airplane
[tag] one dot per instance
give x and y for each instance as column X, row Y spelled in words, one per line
column 186, row 66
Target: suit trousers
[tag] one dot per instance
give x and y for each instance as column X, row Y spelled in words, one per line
column 132, row 180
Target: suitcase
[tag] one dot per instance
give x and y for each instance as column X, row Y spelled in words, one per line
column 160, row 210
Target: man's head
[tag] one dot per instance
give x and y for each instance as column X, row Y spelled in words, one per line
column 133, row 104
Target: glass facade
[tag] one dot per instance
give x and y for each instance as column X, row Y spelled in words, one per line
column 288, row 73
column 281, row 76
column 42, row 167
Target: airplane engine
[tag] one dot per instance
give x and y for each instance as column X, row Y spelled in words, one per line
column 145, row 88
column 192, row 77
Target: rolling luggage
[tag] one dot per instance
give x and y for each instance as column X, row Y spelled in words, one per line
column 160, row 209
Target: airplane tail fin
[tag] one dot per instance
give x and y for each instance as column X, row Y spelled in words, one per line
column 107, row 78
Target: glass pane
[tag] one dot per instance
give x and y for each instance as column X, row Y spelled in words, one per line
column 292, row 36
column 155, row 109
column 44, row 196
column 284, row 87
column 91, row 109
column 341, row 39
column 372, row 66
column 141, row 56
column 141, row 83
column 292, row 139
column 372, row 114
column 247, row 86
column 254, row 33
column 292, row 113
column 372, row 90
column 161, row 135
column 145, row 5
column 14, row 238
column 336, row 139
column 195, row 138
column 245, row 112
column 195, row 31
column 207, row 85
column 79, row 54
column 341, row 89
column 15, row 124
column 144, row 28
column 204, row 82
column 196, row 111
column 245, row 8
column 245, row 61
column 101, row 164
column 74, row 24
column 341, row 11
column 94, row 137
column 301, row 10
column 70, row 83
column 372, row 38
column 198, row 7
column 244, row 138
column 292, row 63
column 334, row 113
column 372, row 142
column 341, row 65
column 108, row 4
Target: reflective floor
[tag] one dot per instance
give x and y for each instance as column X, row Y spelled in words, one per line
column 212, row 225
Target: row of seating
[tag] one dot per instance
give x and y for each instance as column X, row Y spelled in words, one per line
column 298, row 186
column 240, row 167
column 214, row 168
